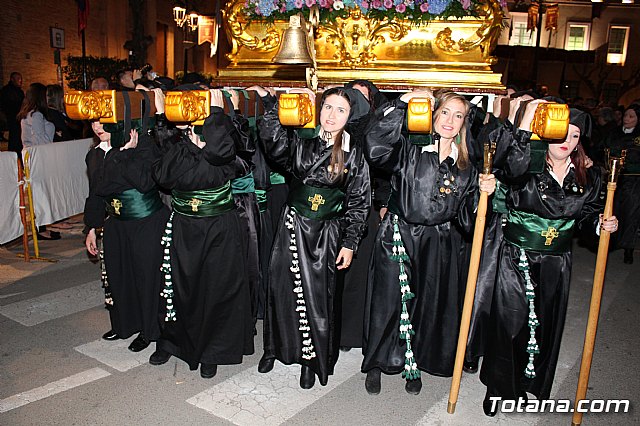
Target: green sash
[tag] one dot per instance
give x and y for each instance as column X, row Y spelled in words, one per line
column 499, row 199
column 276, row 178
column 204, row 202
column 132, row 204
column 532, row 232
column 261, row 198
column 315, row 203
column 243, row 185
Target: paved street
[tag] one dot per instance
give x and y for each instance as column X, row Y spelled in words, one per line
column 55, row 369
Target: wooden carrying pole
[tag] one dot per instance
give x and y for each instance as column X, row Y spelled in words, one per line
column 23, row 213
column 615, row 164
column 474, row 266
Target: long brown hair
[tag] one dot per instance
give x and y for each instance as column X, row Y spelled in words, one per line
column 579, row 160
column 34, row 100
column 442, row 98
column 337, row 154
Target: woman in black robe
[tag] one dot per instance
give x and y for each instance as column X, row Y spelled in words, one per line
column 534, row 263
column 627, row 201
column 208, row 307
column 120, row 181
column 320, row 228
column 491, row 132
column 415, row 289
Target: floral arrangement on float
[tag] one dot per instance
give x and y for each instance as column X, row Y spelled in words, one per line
column 416, row 11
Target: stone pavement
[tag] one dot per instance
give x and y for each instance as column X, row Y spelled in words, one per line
column 55, row 369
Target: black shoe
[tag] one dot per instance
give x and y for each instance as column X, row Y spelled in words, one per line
column 159, row 357
column 53, row 235
column 307, row 378
column 139, row 343
column 487, row 404
column 628, row 256
column 208, row 371
column 110, row 335
column 345, row 348
column 470, row 367
column 413, row 386
column 372, row 382
column 266, row 364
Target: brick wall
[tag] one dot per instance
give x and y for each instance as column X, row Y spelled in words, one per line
column 25, row 41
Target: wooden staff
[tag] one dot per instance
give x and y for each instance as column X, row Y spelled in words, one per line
column 23, row 213
column 32, row 215
column 474, row 266
column 615, row 165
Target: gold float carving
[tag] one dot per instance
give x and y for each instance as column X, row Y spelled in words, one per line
column 236, row 28
column 356, row 37
column 486, row 37
column 452, row 53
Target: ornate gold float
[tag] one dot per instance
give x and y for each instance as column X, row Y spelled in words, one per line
column 393, row 53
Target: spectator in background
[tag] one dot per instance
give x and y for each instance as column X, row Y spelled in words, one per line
column 11, row 97
column 100, row 83
column 65, row 128
column 605, row 124
column 618, row 112
column 36, row 128
column 127, row 78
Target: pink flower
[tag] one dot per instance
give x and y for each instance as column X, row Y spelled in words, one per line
column 365, row 4
column 310, row 3
column 465, row 4
column 388, row 4
column 298, row 3
column 424, row 7
column 377, row 4
column 323, row 3
column 401, row 8
column 257, row 11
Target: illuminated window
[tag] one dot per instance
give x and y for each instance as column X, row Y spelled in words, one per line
column 617, row 48
column 519, row 34
column 577, row 36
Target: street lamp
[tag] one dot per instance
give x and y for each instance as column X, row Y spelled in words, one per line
column 179, row 15
column 182, row 18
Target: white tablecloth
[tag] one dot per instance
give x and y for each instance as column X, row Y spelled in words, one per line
column 58, row 179
column 10, row 224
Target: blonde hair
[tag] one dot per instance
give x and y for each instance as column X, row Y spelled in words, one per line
column 442, row 98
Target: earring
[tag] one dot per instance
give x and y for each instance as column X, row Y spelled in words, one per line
column 458, row 139
column 575, row 149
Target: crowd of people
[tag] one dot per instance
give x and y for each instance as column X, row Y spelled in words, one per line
column 354, row 234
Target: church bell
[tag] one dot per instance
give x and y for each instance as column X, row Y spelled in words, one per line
column 294, row 48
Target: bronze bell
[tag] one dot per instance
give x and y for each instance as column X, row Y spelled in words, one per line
column 294, row 48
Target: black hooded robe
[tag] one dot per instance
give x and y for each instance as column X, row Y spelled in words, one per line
column 318, row 243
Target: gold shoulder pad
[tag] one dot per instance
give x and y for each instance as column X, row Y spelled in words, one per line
column 191, row 106
column 419, row 115
column 551, row 121
column 89, row 105
column 297, row 110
